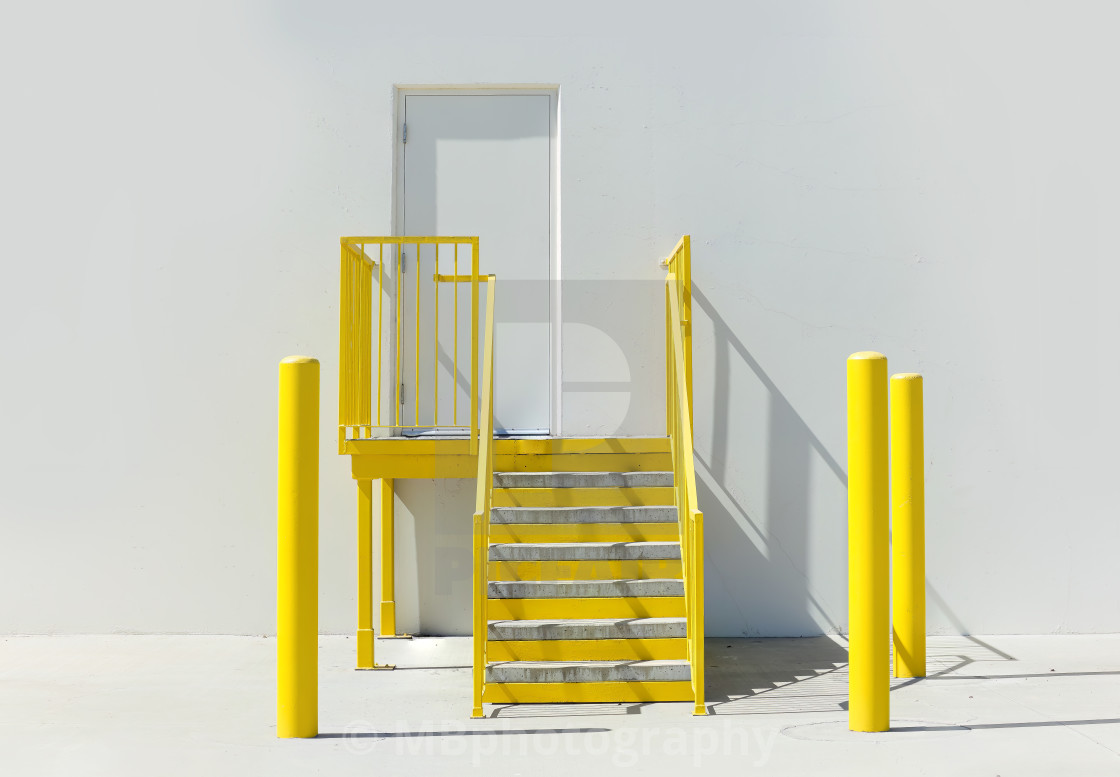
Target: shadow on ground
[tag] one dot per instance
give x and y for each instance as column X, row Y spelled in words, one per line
column 765, row 676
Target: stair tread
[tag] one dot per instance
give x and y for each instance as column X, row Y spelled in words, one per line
column 588, row 479
column 584, row 551
column 653, row 670
column 562, row 515
column 586, row 629
column 589, row 589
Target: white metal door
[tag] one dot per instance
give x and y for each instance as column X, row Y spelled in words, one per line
column 481, row 165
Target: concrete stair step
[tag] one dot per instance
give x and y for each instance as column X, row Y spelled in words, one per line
column 581, row 479
column 584, row 551
column 584, row 589
column 589, row 628
column 587, row 671
column 563, row 515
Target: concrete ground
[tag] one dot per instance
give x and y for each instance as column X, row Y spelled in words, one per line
column 201, row 705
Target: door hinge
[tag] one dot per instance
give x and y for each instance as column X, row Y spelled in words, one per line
column 403, row 257
column 404, row 133
column 402, row 393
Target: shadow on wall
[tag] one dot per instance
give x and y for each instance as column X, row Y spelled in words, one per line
column 614, row 383
column 756, row 473
column 433, row 524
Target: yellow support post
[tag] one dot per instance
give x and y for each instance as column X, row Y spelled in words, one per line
column 365, row 574
column 697, row 594
column 388, row 561
column 365, row 571
column 908, row 493
column 297, row 584
column 868, row 573
column 479, row 613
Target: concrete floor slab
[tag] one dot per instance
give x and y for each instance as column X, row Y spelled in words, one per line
column 187, row 705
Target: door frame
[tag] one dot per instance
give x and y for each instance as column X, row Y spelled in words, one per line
column 552, row 91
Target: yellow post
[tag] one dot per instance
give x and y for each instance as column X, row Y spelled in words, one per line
column 297, row 585
column 868, row 573
column 478, row 615
column 908, row 497
column 697, row 652
column 365, row 574
column 388, row 561
column 365, row 570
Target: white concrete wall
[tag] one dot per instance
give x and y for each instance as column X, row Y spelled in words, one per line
column 935, row 181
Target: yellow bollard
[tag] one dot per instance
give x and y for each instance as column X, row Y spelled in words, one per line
column 868, row 553
column 297, row 581
column 908, row 495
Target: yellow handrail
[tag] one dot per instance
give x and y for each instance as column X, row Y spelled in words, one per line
column 678, row 418
column 364, row 274
column 482, row 502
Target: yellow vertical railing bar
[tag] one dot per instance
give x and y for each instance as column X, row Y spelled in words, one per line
column 481, row 521
column 478, row 611
column 343, row 356
column 668, row 367
column 364, row 347
column 416, row 361
column 355, row 329
column 355, row 335
column 349, row 340
column 356, row 291
column 474, row 346
column 400, row 316
column 686, row 317
column 683, row 519
column 696, row 576
column 435, row 347
column 380, row 293
column 455, row 358
column 684, row 476
column 356, row 340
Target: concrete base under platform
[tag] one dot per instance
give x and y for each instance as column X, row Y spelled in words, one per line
column 189, row 705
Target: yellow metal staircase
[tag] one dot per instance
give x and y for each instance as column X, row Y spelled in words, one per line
column 585, row 598
column 588, row 582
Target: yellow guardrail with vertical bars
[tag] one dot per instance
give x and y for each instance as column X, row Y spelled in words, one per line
column 373, row 287
column 678, row 422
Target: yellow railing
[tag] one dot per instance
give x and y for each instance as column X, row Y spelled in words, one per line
column 482, row 503
column 372, row 391
column 678, row 419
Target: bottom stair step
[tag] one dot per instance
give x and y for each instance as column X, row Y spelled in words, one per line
column 587, row 671
column 575, row 693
